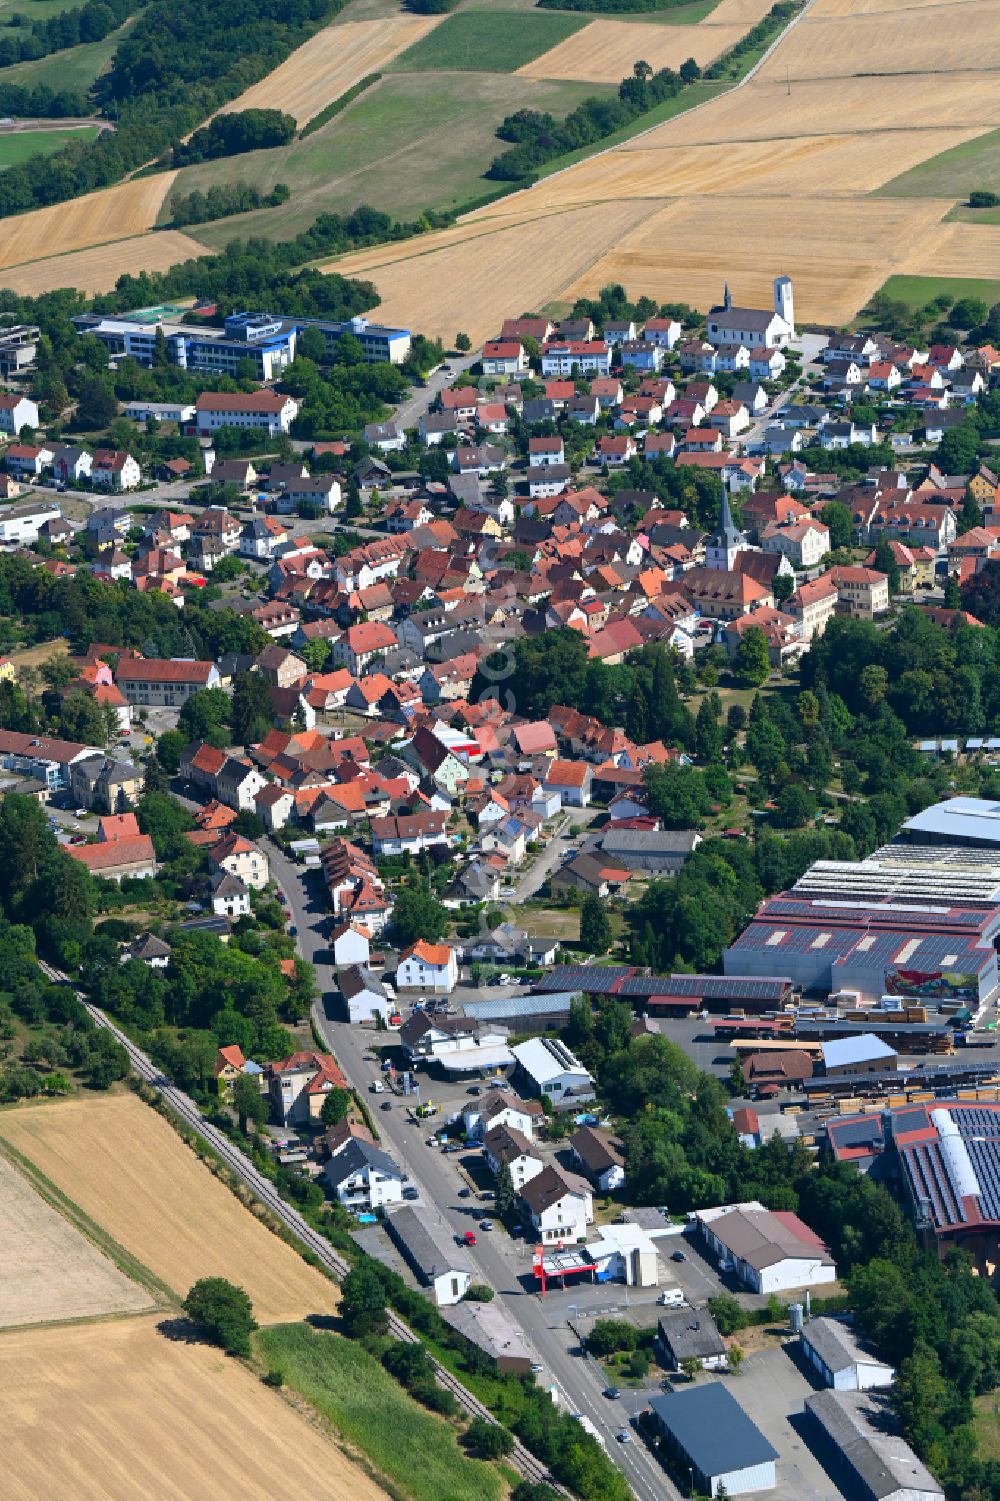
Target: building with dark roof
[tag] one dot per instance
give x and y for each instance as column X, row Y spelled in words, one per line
column 769, row 1251
column 709, row 1436
column 842, row 1361
column 869, row 1459
column 691, row 1334
column 435, row 1259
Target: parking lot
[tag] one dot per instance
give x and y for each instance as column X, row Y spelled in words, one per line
column 771, row 1388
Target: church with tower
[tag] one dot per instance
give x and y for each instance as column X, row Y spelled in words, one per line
column 757, row 328
column 722, row 549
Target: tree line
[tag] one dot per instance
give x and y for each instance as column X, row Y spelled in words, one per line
column 37, row 101
column 234, row 132
column 24, row 39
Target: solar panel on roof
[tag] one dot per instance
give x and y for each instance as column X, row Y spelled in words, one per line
column 591, row 979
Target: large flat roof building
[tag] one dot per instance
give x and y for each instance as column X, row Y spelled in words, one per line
column 770, row 1251
column 875, row 1465
column 708, row 1433
column 971, row 821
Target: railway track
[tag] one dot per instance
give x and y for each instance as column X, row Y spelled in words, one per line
column 238, row 1163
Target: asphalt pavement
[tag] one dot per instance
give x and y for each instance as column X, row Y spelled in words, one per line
column 504, row 1263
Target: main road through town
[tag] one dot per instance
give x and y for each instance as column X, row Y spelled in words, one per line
column 504, row 1264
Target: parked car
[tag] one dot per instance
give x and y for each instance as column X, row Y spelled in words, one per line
column 452, row 1146
column 465, row 1193
column 411, row 1193
column 293, row 931
column 474, row 1089
column 677, row 1256
column 486, row 1224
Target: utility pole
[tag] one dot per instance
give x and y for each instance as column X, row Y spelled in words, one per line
column 788, row 79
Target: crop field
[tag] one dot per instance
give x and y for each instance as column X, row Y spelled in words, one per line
column 606, row 51
column 476, row 272
column 960, row 169
column 918, row 291
column 494, row 41
column 120, row 1412
column 111, row 214
column 99, row 267
column 129, row 1171
column 422, row 145
column 49, row 1271
column 892, row 42
column 409, row 1445
column 861, row 95
column 330, row 63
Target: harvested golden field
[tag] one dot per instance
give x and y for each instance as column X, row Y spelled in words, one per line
column 605, row 51
column 844, row 164
column 129, row 1171
column 872, row 7
column 331, row 62
column 48, row 1269
column 688, row 250
column 119, row 1412
column 476, row 272
column 891, row 42
column 111, row 214
column 766, row 111
column 97, row 269
column 955, row 249
column 747, row 12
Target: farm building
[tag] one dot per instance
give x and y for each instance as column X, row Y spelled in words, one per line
column 834, row 1350
column 708, row 1432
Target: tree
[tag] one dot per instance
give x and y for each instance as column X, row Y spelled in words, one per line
column 335, row 1106
column 611, row 1335
column 205, row 711
column 363, row 1301
column 504, row 1191
column 677, row 795
column 752, row 663
column 692, row 1367
column 224, row 1311
column 735, row 1357
column 968, row 312
column 708, row 730
column 837, row 517
column 249, row 1103
column 311, row 345
column 251, row 714
column 595, row 929
column 418, row 914
column 488, row 1440
column 796, row 806
column 96, row 404
column 463, row 343
column 952, row 593
column 885, row 562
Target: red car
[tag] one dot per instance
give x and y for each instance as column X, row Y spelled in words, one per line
column 469, row 1238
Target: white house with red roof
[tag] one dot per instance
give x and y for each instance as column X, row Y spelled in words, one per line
column 114, row 469
column 160, row 682
column 270, row 411
column 16, row 412
column 428, row 967
column 572, row 780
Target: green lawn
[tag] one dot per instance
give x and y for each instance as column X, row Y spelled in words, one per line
column 19, row 145
column 986, row 1423
column 412, row 1448
column 951, row 174
column 406, row 144
column 679, row 15
column 918, row 291
column 494, row 41
column 35, row 10
column 76, row 68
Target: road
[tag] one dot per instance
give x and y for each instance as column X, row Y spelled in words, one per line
column 241, row 1166
column 552, row 856
column 503, row 1263
column 409, row 413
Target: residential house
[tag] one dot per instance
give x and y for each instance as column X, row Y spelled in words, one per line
column 505, row 1146
column 560, row 1205
column 113, row 469
column 365, row 997
column 363, row 1177
column 299, row 1084
column 16, row 411
column 230, row 897
column 600, row 1156
column 428, row 967
column 572, row 780
column 862, row 593
column 267, row 411
column 691, row 1334
column 241, row 858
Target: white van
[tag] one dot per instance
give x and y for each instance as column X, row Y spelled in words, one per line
column 377, row 1087
column 671, row 1297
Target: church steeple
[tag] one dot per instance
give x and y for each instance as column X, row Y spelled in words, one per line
column 722, row 549
column 727, row 298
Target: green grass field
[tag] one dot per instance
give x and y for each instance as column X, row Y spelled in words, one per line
column 918, row 291
column 986, row 1423
column 35, row 10
column 76, row 68
column 680, row 15
column 19, row 145
column 405, row 145
column 494, row 41
column 412, row 1448
column 951, row 174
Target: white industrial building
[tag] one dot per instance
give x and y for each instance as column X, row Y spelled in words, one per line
column 770, row 1252
column 832, row 1349
column 551, row 1069
column 876, row 1465
column 437, row 1262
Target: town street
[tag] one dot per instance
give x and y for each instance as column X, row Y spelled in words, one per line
column 503, row 1262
